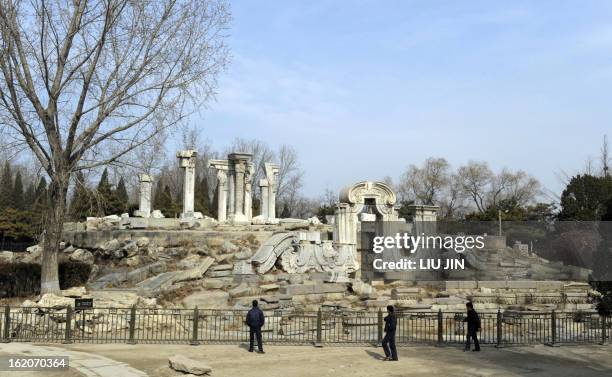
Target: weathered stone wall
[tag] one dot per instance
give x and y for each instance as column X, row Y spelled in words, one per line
column 163, row 238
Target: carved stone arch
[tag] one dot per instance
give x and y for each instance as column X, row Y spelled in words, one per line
column 384, row 197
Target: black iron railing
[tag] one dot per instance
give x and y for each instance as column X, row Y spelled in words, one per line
column 196, row 326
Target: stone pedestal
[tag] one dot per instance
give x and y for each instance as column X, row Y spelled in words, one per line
column 187, row 161
column 144, row 208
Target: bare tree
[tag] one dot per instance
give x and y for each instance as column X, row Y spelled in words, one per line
column 474, row 178
column 452, row 201
column 262, row 153
column 426, row 183
column 605, row 157
column 86, row 82
column 290, row 176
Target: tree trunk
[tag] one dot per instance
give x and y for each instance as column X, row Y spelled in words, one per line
column 53, row 230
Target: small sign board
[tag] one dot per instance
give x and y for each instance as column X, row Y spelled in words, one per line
column 83, row 303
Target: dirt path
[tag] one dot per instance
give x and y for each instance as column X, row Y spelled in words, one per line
column 82, row 363
column 305, row 361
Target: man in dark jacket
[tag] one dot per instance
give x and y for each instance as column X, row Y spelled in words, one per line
column 473, row 326
column 388, row 342
column 255, row 320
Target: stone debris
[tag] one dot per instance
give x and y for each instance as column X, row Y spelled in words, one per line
column 187, row 365
column 81, row 255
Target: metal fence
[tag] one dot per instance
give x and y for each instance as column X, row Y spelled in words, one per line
column 193, row 326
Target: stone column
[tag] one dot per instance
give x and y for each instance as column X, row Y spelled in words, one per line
column 223, row 181
column 345, row 225
column 239, row 190
column 248, row 195
column 144, row 209
column 263, row 185
column 187, row 160
column 222, row 195
column 240, row 168
column 272, row 175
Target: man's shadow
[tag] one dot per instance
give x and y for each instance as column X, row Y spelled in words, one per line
column 244, row 346
column 375, row 355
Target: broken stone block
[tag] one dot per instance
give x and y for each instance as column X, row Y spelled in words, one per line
column 241, row 290
column 196, row 272
column 188, row 262
column 187, row 365
column 302, row 289
column 222, row 267
column 213, row 284
column 269, row 287
column 81, row 255
column 219, row 274
column 142, row 242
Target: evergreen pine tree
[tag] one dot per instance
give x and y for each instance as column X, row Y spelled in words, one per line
column 157, row 194
column 121, row 195
column 6, row 187
column 285, row 213
column 167, row 205
column 29, row 196
column 107, row 202
column 214, row 208
column 39, row 207
column 18, row 199
column 82, row 203
column 202, row 201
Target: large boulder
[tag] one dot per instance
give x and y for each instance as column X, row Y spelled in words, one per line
column 363, row 290
column 130, row 249
column 184, row 364
column 142, row 242
column 109, row 246
column 74, row 292
column 6, row 257
column 50, row 300
column 157, row 214
column 82, row 255
column 36, row 249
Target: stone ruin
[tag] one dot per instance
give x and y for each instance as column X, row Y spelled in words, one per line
column 295, row 264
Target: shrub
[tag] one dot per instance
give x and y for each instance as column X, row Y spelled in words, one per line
column 23, row 279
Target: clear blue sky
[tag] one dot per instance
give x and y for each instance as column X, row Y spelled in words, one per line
column 364, row 88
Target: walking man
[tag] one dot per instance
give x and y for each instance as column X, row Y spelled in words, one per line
column 255, row 320
column 388, row 342
column 473, row 326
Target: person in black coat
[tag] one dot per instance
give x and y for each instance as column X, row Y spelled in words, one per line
column 388, row 341
column 255, row 320
column 473, row 326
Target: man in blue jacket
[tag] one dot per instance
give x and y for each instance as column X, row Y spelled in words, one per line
column 388, row 341
column 255, row 320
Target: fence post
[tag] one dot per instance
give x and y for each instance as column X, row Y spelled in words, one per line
column 440, row 327
column 68, row 333
column 132, row 339
column 319, row 341
column 380, row 327
column 603, row 329
column 6, row 336
column 196, row 318
column 553, row 330
column 499, row 329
